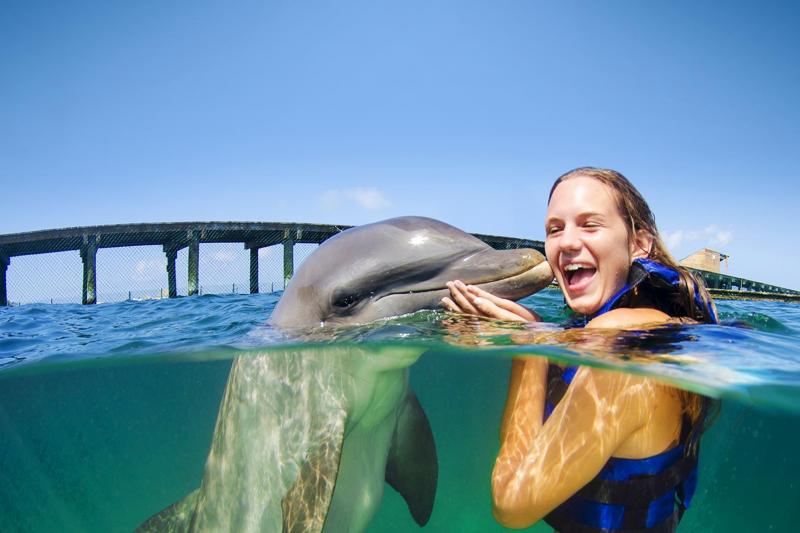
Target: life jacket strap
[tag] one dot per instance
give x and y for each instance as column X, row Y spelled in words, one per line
column 563, row 524
column 639, row 492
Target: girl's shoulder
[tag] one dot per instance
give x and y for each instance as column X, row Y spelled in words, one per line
column 627, row 317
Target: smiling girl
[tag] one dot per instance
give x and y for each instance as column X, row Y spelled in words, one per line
column 589, row 449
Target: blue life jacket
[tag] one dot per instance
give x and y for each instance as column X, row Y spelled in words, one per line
column 628, row 495
column 662, row 284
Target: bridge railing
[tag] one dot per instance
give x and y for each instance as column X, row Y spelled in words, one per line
column 145, row 261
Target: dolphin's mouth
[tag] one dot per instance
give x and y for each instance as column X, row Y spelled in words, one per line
column 529, row 274
column 520, row 285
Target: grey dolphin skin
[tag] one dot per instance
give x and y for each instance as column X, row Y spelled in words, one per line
column 306, row 436
column 399, row 266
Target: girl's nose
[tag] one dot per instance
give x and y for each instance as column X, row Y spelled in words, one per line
column 570, row 239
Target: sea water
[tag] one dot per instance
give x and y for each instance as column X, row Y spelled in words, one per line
column 107, row 411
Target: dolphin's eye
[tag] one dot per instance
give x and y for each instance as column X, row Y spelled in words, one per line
column 345, row 301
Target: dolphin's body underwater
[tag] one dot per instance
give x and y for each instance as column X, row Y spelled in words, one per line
column 306, row 436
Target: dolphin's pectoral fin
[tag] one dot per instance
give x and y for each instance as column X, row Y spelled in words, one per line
column 412, row 468
column 306, row 504
column 175, row 518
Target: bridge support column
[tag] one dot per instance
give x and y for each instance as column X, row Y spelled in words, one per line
column 194, row 262
column 172, row 280
column 253, row 270
column 89, row 258
column 288, row 258
column 4, row 262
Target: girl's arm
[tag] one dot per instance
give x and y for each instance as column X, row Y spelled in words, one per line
column 541, row 465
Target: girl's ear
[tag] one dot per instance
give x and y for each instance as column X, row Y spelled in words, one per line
column 641, row 244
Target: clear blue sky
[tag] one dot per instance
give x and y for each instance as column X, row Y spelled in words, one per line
column 350, row 112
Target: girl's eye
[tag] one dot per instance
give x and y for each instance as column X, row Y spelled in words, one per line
column 553, row 229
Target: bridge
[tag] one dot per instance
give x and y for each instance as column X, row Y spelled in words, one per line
column 727, row 287
column 253, row 236
column 173, row 237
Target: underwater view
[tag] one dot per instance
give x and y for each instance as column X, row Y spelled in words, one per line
column 108, row 412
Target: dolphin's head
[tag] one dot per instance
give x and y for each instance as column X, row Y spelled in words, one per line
column 399, row 266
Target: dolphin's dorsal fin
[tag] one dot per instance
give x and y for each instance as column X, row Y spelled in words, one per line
column 412, row 468
column 174, row 519
column 307, row 501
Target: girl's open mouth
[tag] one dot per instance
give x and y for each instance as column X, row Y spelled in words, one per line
column 578, row 276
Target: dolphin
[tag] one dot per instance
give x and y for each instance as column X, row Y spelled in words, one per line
column 306, row 435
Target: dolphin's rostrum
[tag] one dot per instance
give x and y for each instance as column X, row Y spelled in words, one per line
column 306, row 436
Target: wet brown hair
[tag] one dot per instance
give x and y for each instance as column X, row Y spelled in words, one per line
column 638, row 216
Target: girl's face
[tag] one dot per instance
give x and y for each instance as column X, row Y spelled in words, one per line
column 587, row 243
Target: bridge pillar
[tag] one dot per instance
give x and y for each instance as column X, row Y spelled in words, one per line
column 288, row 257
column 89, row 258
column 194, row 261
column 172, row 280
column 253, row 270
column 4, row 262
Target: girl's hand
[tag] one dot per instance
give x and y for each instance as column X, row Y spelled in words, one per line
column 473, row 300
